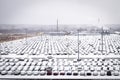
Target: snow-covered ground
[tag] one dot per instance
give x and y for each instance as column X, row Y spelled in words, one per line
column 51, row 57
column 63, row 45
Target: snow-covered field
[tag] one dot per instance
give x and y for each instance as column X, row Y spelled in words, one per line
column 63, row 45
column 52, row 56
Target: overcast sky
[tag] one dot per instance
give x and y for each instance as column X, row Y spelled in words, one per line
column 67, row 11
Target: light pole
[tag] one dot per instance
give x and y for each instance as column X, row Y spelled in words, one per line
column 57, row 25
column 68, row 49
column 26, row 35
column 41, row 36
column 78, row 45
column 102, row 40
column 102, row 33
column 0, row 49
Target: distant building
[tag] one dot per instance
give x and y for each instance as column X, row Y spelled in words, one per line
column 116, row 32
column 57, row 33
